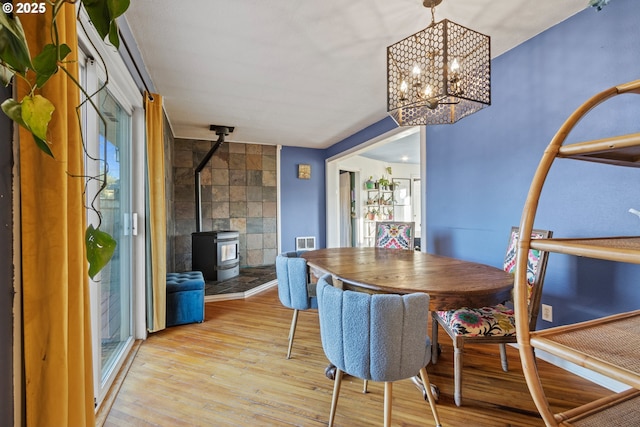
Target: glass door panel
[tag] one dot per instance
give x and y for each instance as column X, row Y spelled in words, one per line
column 402, row 199
column 115, row 300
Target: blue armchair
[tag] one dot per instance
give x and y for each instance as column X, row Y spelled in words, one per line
column 380, row 337
column 294, row 289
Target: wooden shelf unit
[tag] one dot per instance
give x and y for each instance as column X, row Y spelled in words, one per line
column 608, row 345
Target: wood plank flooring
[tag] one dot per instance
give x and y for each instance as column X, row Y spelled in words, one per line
column 232, row 370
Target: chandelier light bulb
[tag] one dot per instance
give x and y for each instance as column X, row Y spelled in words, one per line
column 455, row 65
column 404, row 89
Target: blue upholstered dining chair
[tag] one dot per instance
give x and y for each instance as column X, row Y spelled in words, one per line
column 380, row 337
column 495, row 324
column 394, row 234
column 294, row 289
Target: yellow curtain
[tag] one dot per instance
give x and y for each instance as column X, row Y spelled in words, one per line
column 157, row 218
column 57, row 326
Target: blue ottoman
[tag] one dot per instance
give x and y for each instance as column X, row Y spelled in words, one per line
column 185, row 298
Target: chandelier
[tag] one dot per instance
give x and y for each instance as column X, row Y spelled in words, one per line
column 438, row 75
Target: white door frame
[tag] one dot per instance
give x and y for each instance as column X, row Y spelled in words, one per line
column 332, row 168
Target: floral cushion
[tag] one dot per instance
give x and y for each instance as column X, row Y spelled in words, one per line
column 394, row 236
column 496, row 320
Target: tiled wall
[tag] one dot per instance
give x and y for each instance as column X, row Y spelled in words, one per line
column 238, row 192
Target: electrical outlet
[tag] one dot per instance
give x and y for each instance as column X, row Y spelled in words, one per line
column 547, row 312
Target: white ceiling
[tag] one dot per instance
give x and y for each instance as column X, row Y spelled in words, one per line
column 299, row 72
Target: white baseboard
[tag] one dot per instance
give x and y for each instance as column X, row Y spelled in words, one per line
column 587, row 374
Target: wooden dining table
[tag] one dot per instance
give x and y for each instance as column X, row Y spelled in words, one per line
column 451, row 283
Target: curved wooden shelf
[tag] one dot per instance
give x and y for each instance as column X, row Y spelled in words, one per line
column 608, row 345
column 620, row 150
column 621, row 249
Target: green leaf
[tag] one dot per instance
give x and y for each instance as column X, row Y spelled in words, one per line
column 6, row 74
column 36, row 113
column 103, row 14
column 42, row 144
column 14, row 51
column 46, row 62
column 100, row 249
column 13, row 109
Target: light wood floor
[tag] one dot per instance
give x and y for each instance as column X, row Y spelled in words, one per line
column 231, row 370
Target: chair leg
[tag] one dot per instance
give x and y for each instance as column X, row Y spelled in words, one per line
column 292, row 332
column 364, row 386
column 432, row 399
column 334, row 399
column 388, row 391
column 434, row 340
column 458, row 350
column 503, row 357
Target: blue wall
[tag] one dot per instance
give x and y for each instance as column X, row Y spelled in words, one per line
column 479, row 169
column 302, row 200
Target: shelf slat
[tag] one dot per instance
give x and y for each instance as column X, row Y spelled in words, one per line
column 619, row 150
column 621, row 249
column 623, row 407
column 607, row 345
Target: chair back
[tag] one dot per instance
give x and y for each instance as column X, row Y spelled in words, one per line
column 293, row 284
column 395, row 235
column 380, row 337
column 536, row 268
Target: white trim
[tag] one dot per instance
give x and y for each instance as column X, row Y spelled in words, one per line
column 278, row 200
column 138, row 205
column 423, row 189
column 594, row 377
column 587, row 374
column 126, row 91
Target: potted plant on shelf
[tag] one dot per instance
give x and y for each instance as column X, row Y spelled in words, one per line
column 389, row 214
column 370, row 184
column 383, row 183
column 371, row 214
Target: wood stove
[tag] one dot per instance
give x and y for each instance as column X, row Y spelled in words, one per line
column 216, row 254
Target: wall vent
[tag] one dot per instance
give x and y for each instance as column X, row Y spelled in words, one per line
column 305, row 243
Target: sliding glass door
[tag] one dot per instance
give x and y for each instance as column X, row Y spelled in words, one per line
column 115, row 206
column 107, row 130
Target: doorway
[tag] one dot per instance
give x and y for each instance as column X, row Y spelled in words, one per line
column 349, row 232
column 374, row 157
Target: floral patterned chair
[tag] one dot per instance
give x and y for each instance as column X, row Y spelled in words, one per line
column 495, row 324
column 394, row 235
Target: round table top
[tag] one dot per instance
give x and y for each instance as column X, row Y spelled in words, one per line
column 451, row 283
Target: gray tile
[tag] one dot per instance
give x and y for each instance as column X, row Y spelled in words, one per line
column 237, row 209
column 254, row 194
column 254, row 178
column 269, row 225
column 269, row 194
column 254, row 225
